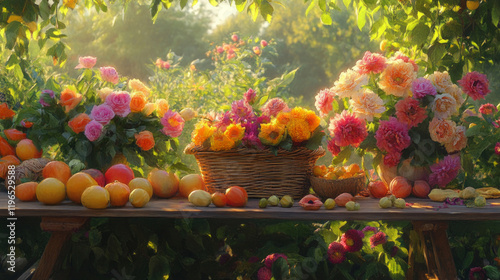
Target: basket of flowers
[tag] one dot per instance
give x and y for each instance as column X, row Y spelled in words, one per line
column 268, row 151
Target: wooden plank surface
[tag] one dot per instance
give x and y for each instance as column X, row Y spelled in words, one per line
column 422, row 209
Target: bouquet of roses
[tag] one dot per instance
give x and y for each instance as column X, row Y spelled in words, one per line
column 382, row 107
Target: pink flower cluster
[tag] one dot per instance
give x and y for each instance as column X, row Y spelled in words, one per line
column 445, row 171
column 347, row 129
column 265, row 272
column 392, row 137
column 46, row 94
column 475, row 84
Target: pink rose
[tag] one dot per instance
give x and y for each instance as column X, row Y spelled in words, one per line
column 263, row 43
column 102, row 114
column 93, row 130
column 220, row 49
column 235, row 38
column 109, row 74
column 173, row 124
column 119, row 102
column 86, row 62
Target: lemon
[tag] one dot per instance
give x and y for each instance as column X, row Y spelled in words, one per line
column 50, row 191
column 139, row 197
column 95, row 197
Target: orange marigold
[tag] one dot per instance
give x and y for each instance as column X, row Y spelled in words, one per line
column 138, row 102
column 201, row 133
column 283, row 118
column 5, row 112
column 235, row 132
column 145, row 140
column 299, row 130
column 220, row 142
column 272, row 133
column 312, row 120
column 70, row 99
column 78, row 123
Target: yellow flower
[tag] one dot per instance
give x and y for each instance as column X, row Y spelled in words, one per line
column 70, row 3
column 235, row 132
column 148, row 109
column 220, row 142
column 312, row 120
column 397, row 78
column 299, row 130
column 367, row 105
column 201, row 133
column 162, row 106
column 137, row 85
column 283, row 118
column 103, row 93
column 271, row 133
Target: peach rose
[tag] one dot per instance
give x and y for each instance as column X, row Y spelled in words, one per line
column 441, row 80
column 149, row 109
column 145, row 140
column 162, row 106
column 138, row 102
column 443, row 106
column 70, row 99
column 367, row 105
column 397, row 78
column 457, row 93
column 137, row 85
column 78, row 123
column 349, row 83
column 458, row 142
column 103, row 93
column 442, row 131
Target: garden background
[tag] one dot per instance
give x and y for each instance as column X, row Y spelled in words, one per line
column 308, row 44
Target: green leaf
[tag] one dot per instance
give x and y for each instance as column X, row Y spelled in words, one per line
column 266, row 10
column 322, row 5
column 254, row 10
column 326, row 18
column 310, row 7
column 132, row 157
column 315, row 141
column 492, row 272
column 451, row 30
column 495, row 13
column 286, row 144
column 240, row 5
column 83, row 148
column 280, row 268
column 94, row 237
column 44, row 9
column 468, row 260
column 436, row 52
column 361, row 17
column 11, row 32
column 343, row 156
column 473, row 131
column 347, row 3
column 419, row 34
column 159, row 268
column 155, row 9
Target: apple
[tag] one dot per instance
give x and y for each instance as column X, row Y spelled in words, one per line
column 164, row 184
column 190, row 183
column 97, row 175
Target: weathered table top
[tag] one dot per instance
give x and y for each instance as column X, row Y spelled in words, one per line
column 422, row 209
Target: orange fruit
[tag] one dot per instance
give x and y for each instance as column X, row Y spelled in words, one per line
column 26, row 191
column 353, row 168
column 141, row 183
column 190, row 183
column 58, row 170
column 95, row 197
column 472, row 5
column 25, row 150
column 164, row 184
column 51, row 191
column 378, row 189
column 77, row 184
column 118, row 193
column 320, row 170
column 139, row 197
column 219, row 199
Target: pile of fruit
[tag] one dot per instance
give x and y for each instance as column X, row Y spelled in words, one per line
column 337, row 172
column 234, row 196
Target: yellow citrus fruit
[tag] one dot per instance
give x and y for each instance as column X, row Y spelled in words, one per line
column 139, row 197
column 141, row 183
column 77, row 184
column 472, row 5
column 95, row 197
column 50, row 191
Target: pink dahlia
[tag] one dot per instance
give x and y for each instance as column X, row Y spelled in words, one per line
column 475, row 85
column 371, row 63
column 392, row 136
column 346, row 129
column 109, row 74
column 223, row 121
column 444, row 171
column 334, row 149
column 324, row 100
column 46, row 94
column 352, row 240
column 336, row 252
column 249, row 96
column 392, row 159
column 102, row 114
column 422, row 87
column 270, row 259
column 497, row 148
column 264, row 273
column 274, row 106
column 173, row 124
column 241, row 110
column 93, row 130
column 86, row 62
column 119, row 102
column 377, row 239
column 487, row 109
column 409, row 112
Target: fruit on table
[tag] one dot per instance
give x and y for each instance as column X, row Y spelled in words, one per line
column 26, row 191
column 25, row 150
column 320, row 170
column 97, row 175
column 421, row 189
column 467, row 193
column 263, row 203
column 352, row 206
column 95, row 197
column 343, row 198
column 200, row 198
column 58, row 170
column 400, row 187
column 400, row 203
column 5, row 162
column 378, row 189
column 273, row 200
column 441, row 195
column 118, row 193
column 50, row 191
column 310, row 202
column 385, row 202
column 219, row 199
column 77, row 184
column 333, row 173
column 236, row 196
column 329, row 204
column 141, row 183
column 139, row 197
column 286, row 201
column 164, row 184
column 120, row 172
column 480, row 201
column 190, row 183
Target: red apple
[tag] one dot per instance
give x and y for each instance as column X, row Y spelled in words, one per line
column 119, row 172
column 97, row 175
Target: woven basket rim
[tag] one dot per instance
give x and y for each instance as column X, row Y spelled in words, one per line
column 337, row 180
column 192, row 149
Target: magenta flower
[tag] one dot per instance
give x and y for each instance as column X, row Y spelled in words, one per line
column 369, row 228
column 166, row 65
column 392, row 159
column 93, row 130
column 86, row 62
column 352, row 240
column 270, row 259
column 109, row 74
column 487, row 109
column 334, row 149
column 392, row 136
column 377, row 239
column 219, row 49
column 324, row 101
column 102, row 114
column 336, row 252
column 475, row 84
column 422, row 87
column 264, row 273
column 347, row 129
column 241, row 111
column 46, row 94
column 223, row 121
column 444, row 171
column 173, row 124
column 250, row 96
column 119, row 102
column 477, row 273
column 371, row 63
column 274, row 106
column 497, row 148
column 263, row 43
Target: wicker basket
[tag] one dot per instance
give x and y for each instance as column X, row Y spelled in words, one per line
column 261, row 173
column 327, row 188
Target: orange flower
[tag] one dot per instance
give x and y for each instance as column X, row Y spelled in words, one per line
column 145, row 140
column 201, row 133
column 70, row 3
column 441, row 80
column 397, row 78
column 162, row 106
column 442, row 131
column 312, row 120
column 235, row 132
column 78, row 123
column 138, row 102
column 271, row 133
column 137, row 85
column 148, row 109
column 283, row 118
column 367, row 105
column 70, row 99
column 299, row 130
column 5, row 112
column 220, row 142
column 458, row 142
column 26, row 124
column 349, row 83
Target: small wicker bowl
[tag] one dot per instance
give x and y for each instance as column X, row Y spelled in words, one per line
column 327, row 188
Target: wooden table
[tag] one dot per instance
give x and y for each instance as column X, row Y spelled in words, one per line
column 428, row 220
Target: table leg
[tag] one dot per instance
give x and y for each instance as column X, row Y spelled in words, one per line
column 62, row 229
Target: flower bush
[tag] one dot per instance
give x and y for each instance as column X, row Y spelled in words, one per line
column 382, row 107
